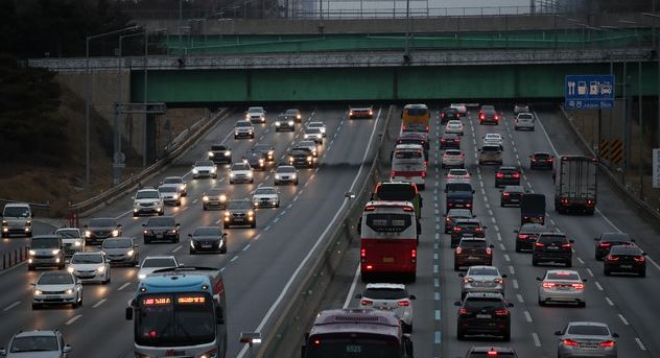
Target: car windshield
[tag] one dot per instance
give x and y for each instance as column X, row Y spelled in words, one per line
column 116, row 243
column 469, row 244
column 103, row 222
column 625, row 250
column 291, row 112
column 315, row 125
column 68, row 233
column 300, row 151
column 16, row 212
column 87, row 259
column 172, row 180
column 148, row 194
column 240, row 166
column 204, row 164
column 162, row 221
column 453, row 152
column 44, row 243
column 159, row 262
column 541, row 155
column 286, row 170
column 313, row 130
column 533, row 228
column 239, row 204
column 255, row 110
column 482, row 271
column 572, row 276
column 383, row 293
column 218, row 148
column 261, row 191
column 167, row 189
column 215, row 192
column 458, row 172
column 588, row 330
column 262, row 147
column 34, row 344
column 553, row 239
column 55, row 278
column 207, row 231
column 459, row 213
column 243, row 124
column 396, row 192
column 525, row 116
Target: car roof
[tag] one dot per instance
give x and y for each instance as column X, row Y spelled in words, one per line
column 625, row 250
column 153, row 257
column 588, row 323
column 486, row 349
column 390, row 286
column 614, row 236
column 454, row 121
column 450, row 135
column 472, row 238
column 508, row 168
column 514, row 188
column 37, row 333
column 286, row 167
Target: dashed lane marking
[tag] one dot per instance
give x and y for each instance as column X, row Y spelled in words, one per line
column 591, row 273
column 623, row 319
column 177, row 248
column 515, row 284
column 123, row 286
column 99, row 303
column 537, row 341
column 520, row 298
column 640, row 344
column 528, row 317
column 598, row 285
column 609, row 302
column 12, row 306
column 75, row 318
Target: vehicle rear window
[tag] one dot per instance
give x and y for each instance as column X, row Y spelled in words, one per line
column 469, row 226
column 459, row 187
column 416, row 111
column 396, row 192
column 562, row 276
column 588, row 330
column 490, row 149
column 553, row 239
column 408, row 154
column 473, row 244
column 44, row 243
column 102, row 222
column 388, row 222
column 385, row 293
column 484, row 303
column 488, row 355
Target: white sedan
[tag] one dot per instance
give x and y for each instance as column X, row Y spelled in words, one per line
column 153, row 263
column 458, row 176
column 319, row 125
column 204, row 169
column 493, row 139
column 562, row 286
column 266, row 197
column 57, row 287
column 241, row 172
column 454, row 126
column 90, row 267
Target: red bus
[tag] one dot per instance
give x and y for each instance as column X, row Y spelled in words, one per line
column 356, row 333
column 389, row 234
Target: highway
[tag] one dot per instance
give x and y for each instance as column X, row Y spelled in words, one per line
column 627, row 303
column 260, row 263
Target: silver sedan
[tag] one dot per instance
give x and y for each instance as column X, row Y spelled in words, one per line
column 586, row 339
column 482, row 279
column 562, row 286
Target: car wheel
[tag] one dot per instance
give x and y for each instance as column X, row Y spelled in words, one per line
column 161, row 213
column 582, row 304
column 223, row 250
column 541, row 302
column 507, row 336
column 518, row 247
column 231, row 181
column 147, row 241
column 107, row 281
column 501, row 204
column 205, row 208
column 569, row 263
column 253, row 225
column 36, row 307
column 235, row 137
column 296, row 183
column 136, row 215
column 457, row 267
column 191, row 251
column 607, row 272
column 30, row 268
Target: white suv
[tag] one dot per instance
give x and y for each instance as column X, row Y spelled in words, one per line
column 148, row 201
column 389, row 297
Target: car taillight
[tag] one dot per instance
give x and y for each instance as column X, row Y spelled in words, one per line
column 497, row 117
column 499, row 175
column 423, row 175
column 522, row 236
column 565, row 245
column 463, row 311
column 393, row 174
column 640, row 259
column 366, row 302
column 539, row 244
column 442, row 115
column 443, row 140
column 461, row 155
column 549, row 160
column 403, row 303
column 459, row 250
column 458, row 228
column 570, row 342
column 447, row 219
column 612, row 258
column 492, row 353
column 578, row 286
column 548, row 285
column 427, row 128
column 516, row 175
column 498, row 281
column 413, row 253
column 489, row 251
column 468, row 205
column 607, row 344
column 605, row 244
column 478, row 229
column 505, row 194
column 502, row 312
column 363, row 253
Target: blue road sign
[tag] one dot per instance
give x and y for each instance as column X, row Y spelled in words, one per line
column 589, row 91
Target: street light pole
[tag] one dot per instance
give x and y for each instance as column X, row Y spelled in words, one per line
column 88, row 95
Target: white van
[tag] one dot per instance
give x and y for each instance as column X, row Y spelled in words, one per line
column 17, row 220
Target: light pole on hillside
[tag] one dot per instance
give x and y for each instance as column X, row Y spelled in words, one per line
column 88, row 94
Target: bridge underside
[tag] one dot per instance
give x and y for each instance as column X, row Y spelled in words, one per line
column 406, row 83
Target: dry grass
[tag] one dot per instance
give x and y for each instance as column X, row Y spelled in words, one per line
column 59, row 186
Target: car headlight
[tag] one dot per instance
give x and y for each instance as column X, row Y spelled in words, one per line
column 182, row 187
column 115, row 233
column 299, row 116
column 32, row 252
column 70, row 269
column 211, row 154
column 227, row 153
column 101, row 269
column 256, row 202
column 227, row 214
column 205, row 198
column 322, row 130
column 291, row 123
column 175, row 196
column 130, row 253
column 56, row 251
column 69, row 291
column 250, row 213
column 142, row 276
column 293, row 176
column 277, row 176
column 192, row 243
column 4, row 222
column 249, row 174
column 277, row 124
column 309, row 158
column 195, row 171
column 38, row 292
column 235, row 132
column 261, row 162
column 232, row 174
column 88, row 233
column 77, row 243
column 223, row 197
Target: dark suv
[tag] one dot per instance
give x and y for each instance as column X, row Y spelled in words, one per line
column 507, row 176
column 484, row 313
column 239, row 212
column 466, row 228
column 607, row 240
column 46, row 251
column 449, row 113
column 527, row 235
column 301, row 157
column 473, row 251
column 553, row 247
column 161, row 228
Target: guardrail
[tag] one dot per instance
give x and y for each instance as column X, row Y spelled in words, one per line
column 299, row 312
column 176, row 151
column 34, row 206
column 13, row 257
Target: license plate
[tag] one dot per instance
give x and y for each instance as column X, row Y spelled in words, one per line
column 238, row 219
column 484, row 316
column 388, row 259
column 206, row 246
column 160, row 236
column 515, row 200
column 626, row 266
column 553, row 248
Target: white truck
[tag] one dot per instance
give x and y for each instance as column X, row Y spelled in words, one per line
column 576, row 184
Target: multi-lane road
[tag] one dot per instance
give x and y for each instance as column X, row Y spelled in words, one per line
column 627, row 303
column 261, row 265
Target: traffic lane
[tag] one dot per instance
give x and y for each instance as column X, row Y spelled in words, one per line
column 14, row 243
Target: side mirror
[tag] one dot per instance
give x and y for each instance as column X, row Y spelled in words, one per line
column 138, row 266
column 66, row 349
column 504, row 275
column 413, row 297
column 85, row 226
column 224, row 234
column 458, row 303
column 596, row 238
column 558, row 333
column 144, row 225
column 462, row 274
column 516, row 231
column 32, row 284
column 615, row 335
column 643, row 253
column 491, row 246
column 67, row 261
column 180, row 265
column 509, row 304
column 632, row 240
column 539, row 279
column 177, row 224
column 584, row 280
column 571, row 241
column 190, row 236
column 119, row 226
column 136, row 245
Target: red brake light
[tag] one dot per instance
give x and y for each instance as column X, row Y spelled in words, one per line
column 499, row 175
column 489, row 251
column 578, row 286
column 539, row 244
column 570, row 342
column 565, row 245
column 482, row 116
column 458, row 228
column 403, row 303
column 442, row 115
column 363, row 253
column 605, row 244
column 502, row 312
column 523, row 236
column 369, row 208
column 413, row 253
column 463, row 311
column 423, row 174
column 408, row 209
column 612, row 258
column 458, row 250
column 505, row 194
column 393, row 174
column 548, row 285
column 640, row 259
column 609, row 344
column 366, row 302
column 516, row 175
column 479, row 229
column 447, row 219
column 492, row 353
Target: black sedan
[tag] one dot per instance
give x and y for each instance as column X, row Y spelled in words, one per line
column 511, row 195
column 541, row 160
column 607, row 240
column 527, row 235
column 450, row 140
column 99, row 229
column 208, row 239
column 625, row 258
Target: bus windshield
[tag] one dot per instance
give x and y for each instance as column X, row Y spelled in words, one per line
column 178, row 319
column 388, row 222
column 377, row 347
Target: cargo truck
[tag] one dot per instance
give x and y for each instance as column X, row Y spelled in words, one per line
column 532, row 208
column 575, row 185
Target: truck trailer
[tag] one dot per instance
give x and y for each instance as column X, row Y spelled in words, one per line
column 576, row 185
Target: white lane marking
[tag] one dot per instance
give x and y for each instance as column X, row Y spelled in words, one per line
column 347, row 301
column 623, row 319
column 512, row 270
column 609, row 302
column 537, row 341
column 99, row 303
column 233, row 259
column 499, row 237
column 528, row 316
column 515, row 284
column 123, row 286
column 75, row 318
column 640, row 344
column 295, row 274
column 503, row 248
column 580, row 260
column 492, row 219
column 653, row 262
column 246, row 247
column 520, row 298
column 591, row 273
column 177, row 248
column 276, row 219
column 598, row 285
column 12, row 306
column 506, row 257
